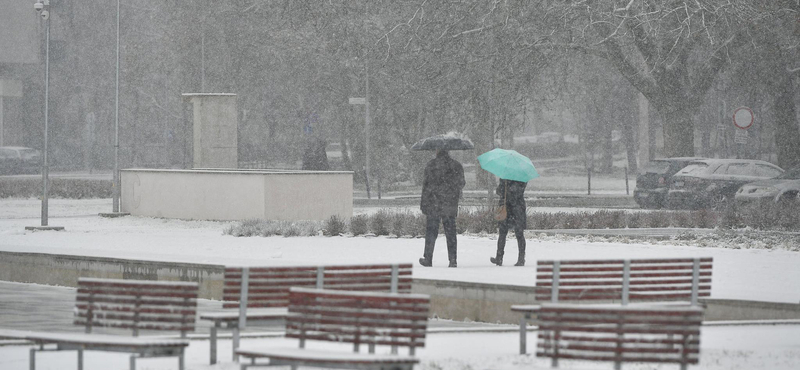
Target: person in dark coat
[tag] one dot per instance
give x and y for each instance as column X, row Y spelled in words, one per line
column 315, row 158
column 513, row 194
column 441, row 190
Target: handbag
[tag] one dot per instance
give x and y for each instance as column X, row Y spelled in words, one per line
column 501, row 214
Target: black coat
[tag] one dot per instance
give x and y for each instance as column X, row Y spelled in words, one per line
column 441, row 188
column 514, row 193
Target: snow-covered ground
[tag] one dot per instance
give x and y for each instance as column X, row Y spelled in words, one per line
column 750, row 274
column 721, row 348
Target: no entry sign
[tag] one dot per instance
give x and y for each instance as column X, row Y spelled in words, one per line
column 743, row 118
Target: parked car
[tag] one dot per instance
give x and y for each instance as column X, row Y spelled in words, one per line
column 652, row 183
column 712, row 183
column 782, row 189
column 17, row 159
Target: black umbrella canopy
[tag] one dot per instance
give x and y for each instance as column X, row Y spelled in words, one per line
column 448, row 141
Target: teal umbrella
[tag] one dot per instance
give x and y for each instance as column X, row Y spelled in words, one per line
column 508, row 164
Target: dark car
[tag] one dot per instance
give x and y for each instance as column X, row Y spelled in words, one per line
column 712, row 183
column 652, row 183
column 782, row 189
column 17, row 159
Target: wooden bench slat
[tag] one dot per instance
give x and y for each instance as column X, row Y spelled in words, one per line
column 633, row 261
column 618, row 350
column 690, row 360
column 616, row 339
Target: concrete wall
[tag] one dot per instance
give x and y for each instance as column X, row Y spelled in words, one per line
column 215, row 130
column 449, row 299
column 492, row 303
column 236, row 195
column 63, row 270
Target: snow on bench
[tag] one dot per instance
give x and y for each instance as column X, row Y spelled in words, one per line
column 620, row 334
column 594, row 281
column 360, row 318
column 124, row 304
column 262, row 293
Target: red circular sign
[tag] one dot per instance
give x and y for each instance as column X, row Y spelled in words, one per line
column 743, row 118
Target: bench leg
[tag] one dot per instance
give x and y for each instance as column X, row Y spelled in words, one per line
column 523, row 334
column 235, row 343
column 181, row 360
column 213, row 343
column 133, row 362
column 80, row 359
column 32, row 359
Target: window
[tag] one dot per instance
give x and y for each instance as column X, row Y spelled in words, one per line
column 767, row 171
column 657, row 167
column 694, row 168
column 740, row 169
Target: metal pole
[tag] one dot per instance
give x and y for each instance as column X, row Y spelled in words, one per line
column 45, row 168
column 366, row 133
column 115, row 201
column 366, row 105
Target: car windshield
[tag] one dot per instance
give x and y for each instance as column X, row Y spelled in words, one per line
column 657, row 167
column 793, row 174
column 693, row 168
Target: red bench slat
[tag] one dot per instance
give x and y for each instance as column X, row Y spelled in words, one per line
column 137, row 305
column 669, row 334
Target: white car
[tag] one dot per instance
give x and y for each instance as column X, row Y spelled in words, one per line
column 782, row 189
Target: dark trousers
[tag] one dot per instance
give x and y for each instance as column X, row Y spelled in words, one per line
column 517, row 219
column 432, row 231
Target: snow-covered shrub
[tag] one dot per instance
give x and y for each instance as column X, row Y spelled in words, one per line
column 334, row 226
column 682, row 219
column 605, row 219
column 704, row 219
column 358, row 225
column 657, row 219
column 379, row 223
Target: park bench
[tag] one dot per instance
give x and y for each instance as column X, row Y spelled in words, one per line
column 359, row 318
column 262, row 293
column 623, row 281
column 620, row 334
column 123, row 304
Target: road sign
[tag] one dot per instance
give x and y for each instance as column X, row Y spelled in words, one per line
column 743, row 118
column 740, row 137
column 358, row 100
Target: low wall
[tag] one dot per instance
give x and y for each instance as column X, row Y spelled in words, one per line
column 492, row 303
column 64, row 270
column 449, row 299
column 228, row 195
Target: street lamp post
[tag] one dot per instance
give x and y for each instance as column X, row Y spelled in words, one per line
column 43, row 7
column 115, row 197
column 115, row 200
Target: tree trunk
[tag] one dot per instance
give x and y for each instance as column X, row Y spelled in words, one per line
column 678, row 130
column 787, row 135
column 629, row 135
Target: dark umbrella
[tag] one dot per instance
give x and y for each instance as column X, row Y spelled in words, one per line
column 449, row 141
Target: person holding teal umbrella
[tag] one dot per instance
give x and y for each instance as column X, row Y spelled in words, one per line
column 514, row 171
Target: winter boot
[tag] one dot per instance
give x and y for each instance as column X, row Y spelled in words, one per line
column 497, row 261
column 425, row 262
column 520, row 262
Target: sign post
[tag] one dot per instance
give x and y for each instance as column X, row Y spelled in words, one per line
column 743, row 119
